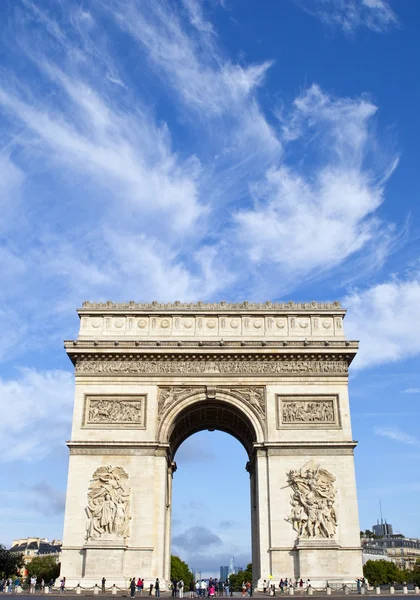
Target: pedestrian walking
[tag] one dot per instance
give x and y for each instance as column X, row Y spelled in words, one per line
column 157, row 588
column 133, row 588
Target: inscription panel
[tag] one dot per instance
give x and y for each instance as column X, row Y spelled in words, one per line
column 307, row 412
column 115, row 411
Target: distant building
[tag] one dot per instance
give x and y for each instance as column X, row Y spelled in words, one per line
column 31, row 547
column 381, row 529
column 372, row 553
column 224, row 573
column 401, row 550
column 238, row 569
column 232, row 566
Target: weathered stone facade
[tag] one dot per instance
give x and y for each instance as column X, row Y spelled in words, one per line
column 272, row 375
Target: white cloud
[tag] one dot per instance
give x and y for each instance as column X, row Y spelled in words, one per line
column 397, row 435
column 376, row 15
column 312, row 218
column 412, row 391
column 36, row 411
column 385, row 319
column 131, row 212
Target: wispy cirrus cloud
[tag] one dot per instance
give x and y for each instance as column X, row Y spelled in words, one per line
column 350, row 15
column 384, row 316
column 397, row 435
column 412, row 391
column 117, row 204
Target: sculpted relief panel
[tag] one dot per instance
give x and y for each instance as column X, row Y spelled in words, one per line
column 313, row 513
column 305, row 411
column 108, row 508
column 210, row 367
column 115, row 411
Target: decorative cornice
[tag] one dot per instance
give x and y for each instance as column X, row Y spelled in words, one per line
column 118, row 448
column 209, row 306
column 203, row 345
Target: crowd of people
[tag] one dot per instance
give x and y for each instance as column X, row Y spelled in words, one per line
column 14, row 585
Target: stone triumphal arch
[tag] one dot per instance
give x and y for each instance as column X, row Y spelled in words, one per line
column 150, row 375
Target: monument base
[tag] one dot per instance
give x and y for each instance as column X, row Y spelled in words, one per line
column 324, row 561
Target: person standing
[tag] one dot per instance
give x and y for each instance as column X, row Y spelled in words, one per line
column 157, row 588
column 32, row 585
column 103, row 584
column 181, row 588
column 133, row 587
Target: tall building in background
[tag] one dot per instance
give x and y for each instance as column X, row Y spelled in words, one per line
column 224, row 573
column 232, row 566
column 382, row 528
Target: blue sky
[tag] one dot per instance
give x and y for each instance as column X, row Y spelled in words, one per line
column 214, row 149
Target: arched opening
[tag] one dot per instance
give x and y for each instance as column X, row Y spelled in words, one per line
column 212, row 414
column 211, row 518
column 227, row 412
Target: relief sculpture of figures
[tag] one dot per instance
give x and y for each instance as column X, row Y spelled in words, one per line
column 308, row 412
column 108, row 509
column 115, row 410
column 313, row 498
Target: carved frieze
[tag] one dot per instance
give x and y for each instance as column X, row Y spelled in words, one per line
column 108, row 507
column 211, row 367
column 121, row 411
column 313, row 513
column 303, row 411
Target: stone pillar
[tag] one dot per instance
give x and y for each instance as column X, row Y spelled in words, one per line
column 416, row 589
column 391, row 589
column 96, row 589
column 46, row 589
column 328, row 591
column 310, row 590
column 377, row 590
column 114, row 590
column 78, row 590
column 291, row 590
column 262, row 542
column 405, row 589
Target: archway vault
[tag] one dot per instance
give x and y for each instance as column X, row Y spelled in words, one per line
column 184, row 410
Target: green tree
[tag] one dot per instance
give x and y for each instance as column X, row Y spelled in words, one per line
column 180, row 570
column 10, row 562
column 380, row 572
column 43, row 567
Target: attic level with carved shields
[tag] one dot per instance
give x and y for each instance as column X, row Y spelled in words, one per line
column 273, row 375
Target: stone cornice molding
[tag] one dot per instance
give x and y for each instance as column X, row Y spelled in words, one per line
column 318, row 448
column 221, row 346
column 118, row 448
column 222, row 306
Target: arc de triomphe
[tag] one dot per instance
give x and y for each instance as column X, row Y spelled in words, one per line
column 148, row 376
